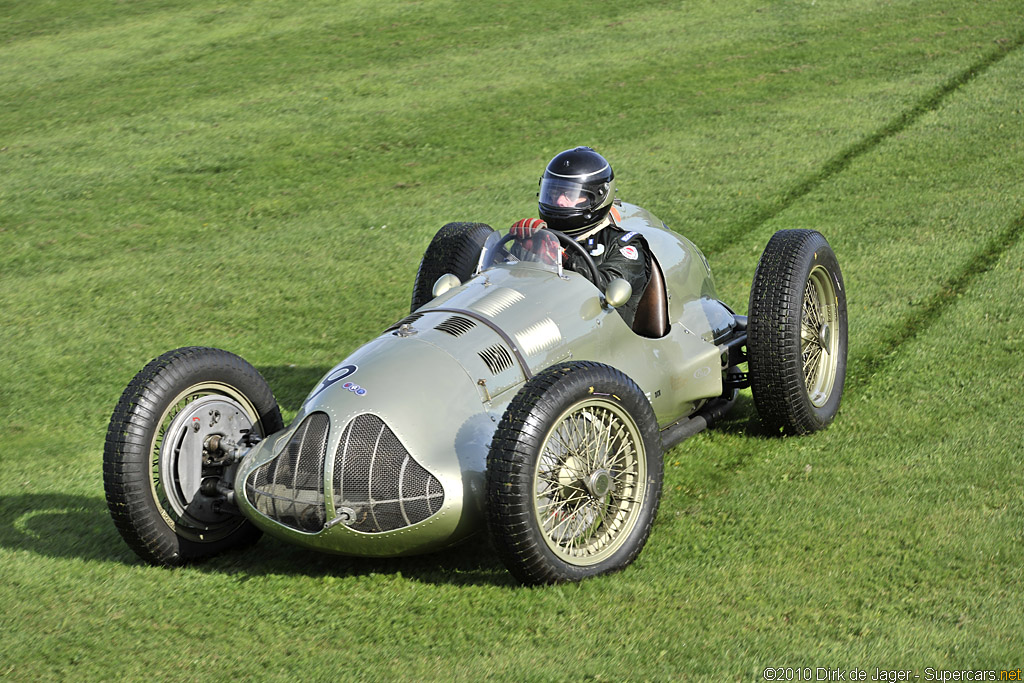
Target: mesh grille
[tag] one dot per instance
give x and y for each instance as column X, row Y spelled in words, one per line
column 377, row 480
column 290, row 488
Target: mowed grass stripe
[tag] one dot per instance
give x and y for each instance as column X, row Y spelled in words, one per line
column 179, row 206
column 960, row 223
column 200, row 186
column 904, row 517
column 895, row 536
column 896, row 125
column 926, row 313
column 470, row 50
column 379, row 114
column 900, row 545
column 913, row 220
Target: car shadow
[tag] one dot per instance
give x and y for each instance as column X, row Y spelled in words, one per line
column 66, row 526
column 742, row 420
column 470, row 563
column 59, row 525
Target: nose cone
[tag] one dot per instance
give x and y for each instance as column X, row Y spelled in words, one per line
column 386, row 456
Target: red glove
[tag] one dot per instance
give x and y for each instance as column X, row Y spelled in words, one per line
column 525, row 228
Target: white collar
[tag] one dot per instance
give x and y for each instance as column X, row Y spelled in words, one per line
column 604, row 223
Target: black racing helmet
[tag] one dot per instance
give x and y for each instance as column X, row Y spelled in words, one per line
column 576, row 190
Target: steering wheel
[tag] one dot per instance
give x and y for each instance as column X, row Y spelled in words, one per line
column 588, row 260
column 570, row 243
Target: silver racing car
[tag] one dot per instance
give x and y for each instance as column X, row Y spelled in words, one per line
column 513, row 399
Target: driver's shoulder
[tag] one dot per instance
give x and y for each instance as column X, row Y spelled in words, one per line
column 624, row 237
column 614, row 232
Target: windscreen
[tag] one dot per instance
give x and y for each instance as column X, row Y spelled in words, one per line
column 539, row 251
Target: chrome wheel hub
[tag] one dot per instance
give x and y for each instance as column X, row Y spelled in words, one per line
column 599, row 483
column 182, row 471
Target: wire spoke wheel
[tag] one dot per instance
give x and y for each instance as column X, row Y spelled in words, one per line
column 573, row 474
column 819, row 345
column 589, row 482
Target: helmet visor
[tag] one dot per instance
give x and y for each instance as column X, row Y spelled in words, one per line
column 565, row 193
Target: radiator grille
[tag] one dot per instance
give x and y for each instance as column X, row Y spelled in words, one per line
column 290, row 488
column 377, row 483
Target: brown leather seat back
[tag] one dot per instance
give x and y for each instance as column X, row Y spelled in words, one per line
column 652, row 312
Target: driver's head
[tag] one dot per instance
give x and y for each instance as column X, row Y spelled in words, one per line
column 576, row 190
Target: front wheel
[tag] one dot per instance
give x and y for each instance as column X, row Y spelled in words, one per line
column 163, row 475
column 455, row 249
column 797, row 333
column 573, row 475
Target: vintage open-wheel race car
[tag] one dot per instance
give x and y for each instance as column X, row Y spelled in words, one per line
column 513, row 399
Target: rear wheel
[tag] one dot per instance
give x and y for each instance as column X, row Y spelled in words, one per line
column 164, row 471
column 573, row 475
column 455, row 249
column 797, row 333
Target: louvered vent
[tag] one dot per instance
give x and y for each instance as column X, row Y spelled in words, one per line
column 290, row 488
column 456, row 325
column 497, row 358
column 407, row 320
column 499, row 300
column 540, row 336
column 376, row 482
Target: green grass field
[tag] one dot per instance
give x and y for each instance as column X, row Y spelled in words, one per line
column 264, row 176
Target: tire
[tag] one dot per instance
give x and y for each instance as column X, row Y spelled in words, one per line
column 556, row 511
column 153, row 455
column 455, row 249
column 797, row 333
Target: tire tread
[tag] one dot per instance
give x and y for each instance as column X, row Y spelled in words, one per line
column 773, row 332
column 454, row 249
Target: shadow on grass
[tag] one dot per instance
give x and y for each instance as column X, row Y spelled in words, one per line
column 471, row 563
column 68, row 526
column 742, row 420
column 59, row 525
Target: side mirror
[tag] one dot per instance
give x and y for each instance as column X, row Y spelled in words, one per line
column 444, row 283
column 618, row 292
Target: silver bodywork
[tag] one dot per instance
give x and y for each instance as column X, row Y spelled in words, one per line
column 398, row 465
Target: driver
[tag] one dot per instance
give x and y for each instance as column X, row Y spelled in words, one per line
column 576, row 195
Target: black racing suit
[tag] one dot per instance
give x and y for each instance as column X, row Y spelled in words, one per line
column 616, row 253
